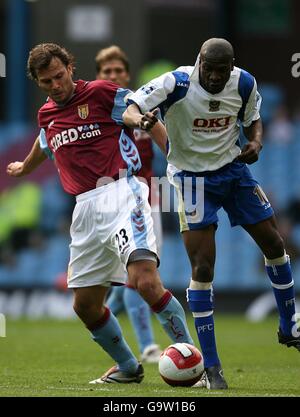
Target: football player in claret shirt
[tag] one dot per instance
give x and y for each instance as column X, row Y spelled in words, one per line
column 96, row 159
column 112, row 64
column 203, row 108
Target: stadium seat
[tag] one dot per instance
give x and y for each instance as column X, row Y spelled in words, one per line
column 273, row 97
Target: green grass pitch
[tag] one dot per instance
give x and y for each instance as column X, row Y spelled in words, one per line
column 57, row 358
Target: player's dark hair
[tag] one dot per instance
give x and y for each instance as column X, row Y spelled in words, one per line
column 41, row 55
column 110, row 53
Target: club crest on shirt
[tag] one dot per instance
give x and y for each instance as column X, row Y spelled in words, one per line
column 214, row 105
column 83, row 111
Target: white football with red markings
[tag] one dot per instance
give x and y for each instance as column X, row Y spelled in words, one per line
column 181, row 364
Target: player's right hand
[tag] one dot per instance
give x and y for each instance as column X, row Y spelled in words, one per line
column 250, row 152
column 15, row 169
column 148, row 120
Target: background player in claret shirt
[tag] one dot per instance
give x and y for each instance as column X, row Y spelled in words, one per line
column 203, row 108
column 112, row 220
column 112, row 64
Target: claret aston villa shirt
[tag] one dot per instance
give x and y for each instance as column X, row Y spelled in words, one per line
column 87, row 136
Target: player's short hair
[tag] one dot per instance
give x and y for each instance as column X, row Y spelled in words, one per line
column 110, row 53
column 41, row 55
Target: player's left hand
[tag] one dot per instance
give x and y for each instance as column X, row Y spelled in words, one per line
column 148, row 120
column 250, row 152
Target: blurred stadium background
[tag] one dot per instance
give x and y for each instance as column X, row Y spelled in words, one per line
column 156, row 34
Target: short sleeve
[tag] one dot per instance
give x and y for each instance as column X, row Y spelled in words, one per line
column 252, row 107
column 119, row 105
column 44, row 145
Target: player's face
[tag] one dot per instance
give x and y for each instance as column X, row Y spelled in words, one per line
column 56, row 81
column 114, row 71
column 214, row 74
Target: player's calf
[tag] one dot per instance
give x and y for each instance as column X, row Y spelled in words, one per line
column 145, row 278
column 280, row 274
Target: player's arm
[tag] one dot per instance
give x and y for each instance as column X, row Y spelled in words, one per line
column 135, row 119
column 140, row 113
column 159, row 135
column 251, row 150
column 142, row 106
column 252, row 128
column 30, row 163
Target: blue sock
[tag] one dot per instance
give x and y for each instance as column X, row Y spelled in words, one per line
column 283, row 288
column 201, row 305
column 172, row 317
column 108, row 334
column 140, row 316
column 115, row 301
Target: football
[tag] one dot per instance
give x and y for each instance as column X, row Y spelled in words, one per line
column 181, row 364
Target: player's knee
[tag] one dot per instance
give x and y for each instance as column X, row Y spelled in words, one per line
column 146, row 285
column 149, row 286
column 203, row 272
column 274, row 247
column 81, row 307
column 139, row 272
column 78, row 309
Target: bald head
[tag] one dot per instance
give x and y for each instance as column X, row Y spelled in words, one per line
column 217, row 49
column 216, row 64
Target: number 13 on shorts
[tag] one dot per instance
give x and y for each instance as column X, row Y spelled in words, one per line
column 122, row 240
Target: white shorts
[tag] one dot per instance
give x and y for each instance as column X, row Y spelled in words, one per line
column 109, row 223
column 157, row 227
